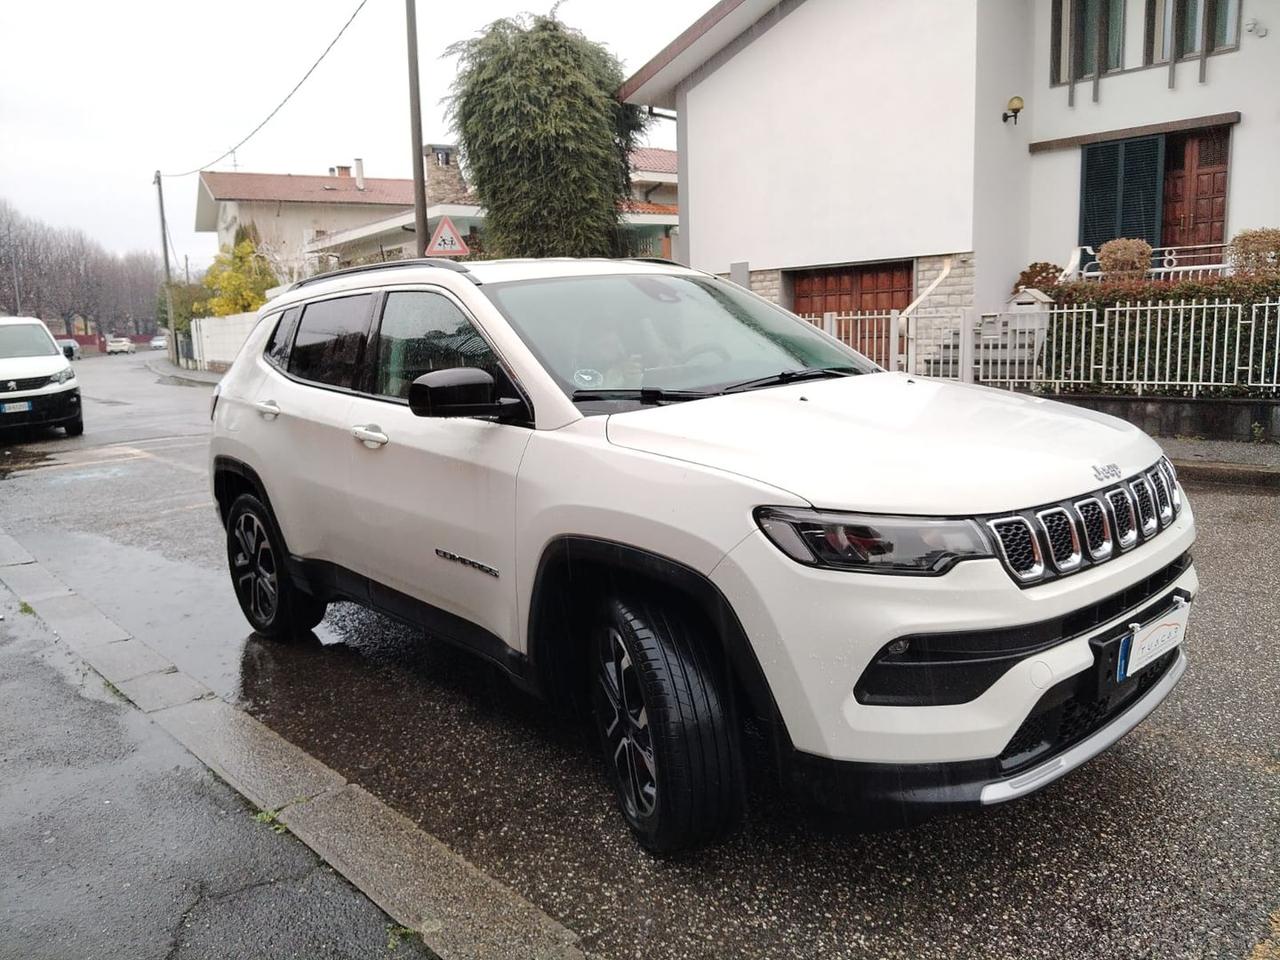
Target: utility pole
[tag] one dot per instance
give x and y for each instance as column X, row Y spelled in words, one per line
column 168, row 280
column 186, row 268
column 13, row 262
column 415, row 132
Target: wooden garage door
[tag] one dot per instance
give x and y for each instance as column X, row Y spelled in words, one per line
column 868, row 288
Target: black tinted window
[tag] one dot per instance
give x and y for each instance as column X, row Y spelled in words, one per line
column 330, row 340
column 277, row 351
column 421, row 332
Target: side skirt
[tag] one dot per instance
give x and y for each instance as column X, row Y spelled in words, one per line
column 330, row 581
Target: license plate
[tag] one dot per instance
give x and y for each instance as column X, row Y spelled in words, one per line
column 19, row 406
column 1148, row 642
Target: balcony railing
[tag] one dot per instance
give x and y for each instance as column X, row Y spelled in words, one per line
column 1194, row 262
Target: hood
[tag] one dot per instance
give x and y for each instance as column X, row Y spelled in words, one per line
column 19, row 368
column 891, row 443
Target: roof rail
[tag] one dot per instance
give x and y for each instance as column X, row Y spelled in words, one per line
column 389, row 265
column 674, row 263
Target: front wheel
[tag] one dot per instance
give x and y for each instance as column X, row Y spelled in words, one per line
column 274, row 607
column 671, row 750
column 74, row 427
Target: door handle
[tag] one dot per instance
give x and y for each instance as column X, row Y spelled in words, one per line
column 370, row 434
column 268, row 408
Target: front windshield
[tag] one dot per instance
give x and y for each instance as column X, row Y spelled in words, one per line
column 26, row 340
column 628, row 332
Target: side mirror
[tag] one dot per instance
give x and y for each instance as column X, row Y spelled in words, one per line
column 69, row 352
column 461, row 392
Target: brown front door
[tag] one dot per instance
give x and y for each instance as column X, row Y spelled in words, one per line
column 1195, row 192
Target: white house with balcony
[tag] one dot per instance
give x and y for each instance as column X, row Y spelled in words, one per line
column 856, row 155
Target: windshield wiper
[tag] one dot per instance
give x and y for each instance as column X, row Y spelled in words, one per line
column 642, row 394
column 791, row 376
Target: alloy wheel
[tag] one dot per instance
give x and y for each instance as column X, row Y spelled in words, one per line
column 626, row 727
column 253, row 566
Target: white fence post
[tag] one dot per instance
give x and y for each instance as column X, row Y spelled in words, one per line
column 829, row 323
column 966, row 344
column 895, row 331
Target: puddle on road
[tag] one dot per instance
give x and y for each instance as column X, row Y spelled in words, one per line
column 13, row 459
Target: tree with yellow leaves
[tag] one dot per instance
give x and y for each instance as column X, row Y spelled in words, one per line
column 238, row 280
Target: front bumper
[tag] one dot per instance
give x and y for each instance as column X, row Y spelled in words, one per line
column 815, row 631
column 48, row 407
column 882, row 795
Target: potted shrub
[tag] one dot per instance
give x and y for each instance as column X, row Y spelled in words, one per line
column 1125, row 257
column 1255, row 251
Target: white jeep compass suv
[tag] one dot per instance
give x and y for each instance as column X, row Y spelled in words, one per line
column 641, row 488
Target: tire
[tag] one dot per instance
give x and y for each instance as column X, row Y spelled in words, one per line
column 671, row 747
column 74, row 427
column 256, row 555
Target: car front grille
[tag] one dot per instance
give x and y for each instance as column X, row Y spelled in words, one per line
column 1059, row 539
column 27, row 383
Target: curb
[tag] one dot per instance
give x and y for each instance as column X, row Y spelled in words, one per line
column 1236, row 474
column 183, row 376
column 460, row 912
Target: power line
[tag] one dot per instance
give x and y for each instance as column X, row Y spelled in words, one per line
column 310, row 70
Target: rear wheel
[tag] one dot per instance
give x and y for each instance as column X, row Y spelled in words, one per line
column 271, row 603
column 671, row 751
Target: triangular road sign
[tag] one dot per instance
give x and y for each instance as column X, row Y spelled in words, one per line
column 447, row 241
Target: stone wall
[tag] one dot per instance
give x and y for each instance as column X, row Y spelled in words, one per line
column 769, row 284
column 938, row 317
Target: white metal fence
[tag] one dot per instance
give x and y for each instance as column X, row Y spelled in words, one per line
column 1184, row 347
column 215, row 341
column 926, row 345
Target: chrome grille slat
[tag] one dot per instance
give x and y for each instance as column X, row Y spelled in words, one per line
column 1019, row 547
column 1064, row 541
column 1126, row 517
column 1164, row 503
column 1145, row 500
column 1095, row 527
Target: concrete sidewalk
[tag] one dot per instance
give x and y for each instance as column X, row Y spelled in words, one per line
column 117, row 842
column 162, row 367
column 1224, row 461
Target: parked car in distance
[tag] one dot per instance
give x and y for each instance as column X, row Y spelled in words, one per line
column 647, row 493
column 70, row 348
column 120, row 345
column 159, row 342
column 38, row 388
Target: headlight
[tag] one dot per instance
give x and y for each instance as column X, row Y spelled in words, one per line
column 873, row 544
column 62, row 376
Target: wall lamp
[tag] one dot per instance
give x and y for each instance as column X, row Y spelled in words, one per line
column 1014, row 108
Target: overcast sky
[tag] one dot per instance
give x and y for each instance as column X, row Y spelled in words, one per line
column 95, row 96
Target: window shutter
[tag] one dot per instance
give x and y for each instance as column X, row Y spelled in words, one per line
column 1099, row 193
column 1142, row 192
column 1121, row 190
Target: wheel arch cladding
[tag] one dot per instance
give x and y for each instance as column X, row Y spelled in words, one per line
column 573, row 567
column 232, row 477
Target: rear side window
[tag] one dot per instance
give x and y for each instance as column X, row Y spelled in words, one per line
column 421, row 332
column 330, row 340
column 277, row 351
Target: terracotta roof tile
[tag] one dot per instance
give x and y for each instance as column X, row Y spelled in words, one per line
column 654, row 160
column 644, row 206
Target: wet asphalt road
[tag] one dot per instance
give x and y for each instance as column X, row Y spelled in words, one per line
column 1167, row 846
